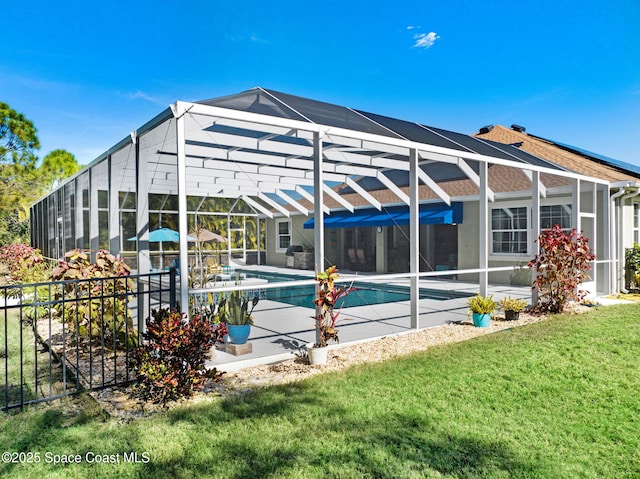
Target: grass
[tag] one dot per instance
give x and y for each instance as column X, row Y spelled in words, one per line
column 18, row 346
column 554, row 399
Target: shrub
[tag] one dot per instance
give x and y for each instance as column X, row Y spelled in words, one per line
column 513, row 304
column 329, row 296
column 632, row 266
column 24, row 263
column 171, row 363
column 100, row 309
column 481, row 304
column 562, row 266
column 234, row 308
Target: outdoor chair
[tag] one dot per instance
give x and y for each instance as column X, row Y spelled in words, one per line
column 213, row 268
column 353, row 260
column 362, row 260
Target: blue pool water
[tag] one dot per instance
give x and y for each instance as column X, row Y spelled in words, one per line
column 365, row 294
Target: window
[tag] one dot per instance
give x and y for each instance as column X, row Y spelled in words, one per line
column 555, row 215
column 510, row 226
column 103, row 219
column 128, row 226
column 283, row 235
column 509, row 230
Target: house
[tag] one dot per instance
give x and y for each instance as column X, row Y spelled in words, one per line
column 623, row 178
column 270, row 170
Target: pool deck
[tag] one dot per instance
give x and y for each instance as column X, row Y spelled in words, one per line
column 281, row 331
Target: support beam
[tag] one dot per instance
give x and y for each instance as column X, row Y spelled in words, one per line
column 606, row 223
column 337, row 197
column 182, row 215
column 530, row 174
column 483, row 228
column 392, row 186
column 575, row 205
column 318, row 230
column 309, row 197
column 364, row 193
column 426, row 179
column 535, row 228
column 94, row 215
column 114, row 209
column 257, row 206
column 292, row 202
column 474, row 177
column 414, row 237
column 274, row 204
column 79, row 239
column 142, row 210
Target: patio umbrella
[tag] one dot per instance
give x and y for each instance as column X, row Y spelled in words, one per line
column 202, row 235
column 163, row 234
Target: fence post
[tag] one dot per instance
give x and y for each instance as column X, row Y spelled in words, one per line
column 143, row 302
column 172, row 288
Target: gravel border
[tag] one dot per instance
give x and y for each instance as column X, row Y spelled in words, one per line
column 122, row 403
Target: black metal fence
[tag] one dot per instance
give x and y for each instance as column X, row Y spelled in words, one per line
column 63, row 337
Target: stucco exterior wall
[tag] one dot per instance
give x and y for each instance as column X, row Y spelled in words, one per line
column 299, row 236
column 468, row 252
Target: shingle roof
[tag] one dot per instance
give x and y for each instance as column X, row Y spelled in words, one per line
column 580, row 163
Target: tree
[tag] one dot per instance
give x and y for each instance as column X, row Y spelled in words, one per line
column 18, row 142
column 18, row 137
column 56, row 166
column 21, row 181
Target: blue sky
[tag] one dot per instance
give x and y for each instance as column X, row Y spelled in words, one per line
column 88, row 73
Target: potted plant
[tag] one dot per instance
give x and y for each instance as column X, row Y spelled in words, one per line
column 512, row 307
column 481, row 309
column 329, row 295
column 234, row 312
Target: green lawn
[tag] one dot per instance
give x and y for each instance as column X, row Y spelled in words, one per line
column 34, row 379
column 557, row 399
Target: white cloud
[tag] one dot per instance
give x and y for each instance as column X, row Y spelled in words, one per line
column 425, row 40
column 413, row 27
column 256, row 39
column 143, row 96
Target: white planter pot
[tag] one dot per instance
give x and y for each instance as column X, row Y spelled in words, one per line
column 317, row 356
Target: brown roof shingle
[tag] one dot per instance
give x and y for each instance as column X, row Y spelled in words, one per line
column 548, row 151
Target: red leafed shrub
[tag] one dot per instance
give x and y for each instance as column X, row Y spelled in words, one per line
column 171, row 363
column 25, row 264
column 562, row 266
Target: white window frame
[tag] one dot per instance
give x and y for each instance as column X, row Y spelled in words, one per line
column 562, row 204
column 522, row 204
column 525, row 230
column 279, row 235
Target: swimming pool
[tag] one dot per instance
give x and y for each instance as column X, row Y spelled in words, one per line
column 365, row 294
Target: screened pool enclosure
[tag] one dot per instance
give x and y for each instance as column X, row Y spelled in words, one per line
column 242, row 165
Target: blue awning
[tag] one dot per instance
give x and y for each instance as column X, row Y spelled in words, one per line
column 431, row 214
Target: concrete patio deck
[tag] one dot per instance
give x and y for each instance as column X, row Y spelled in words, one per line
column 281, row 331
